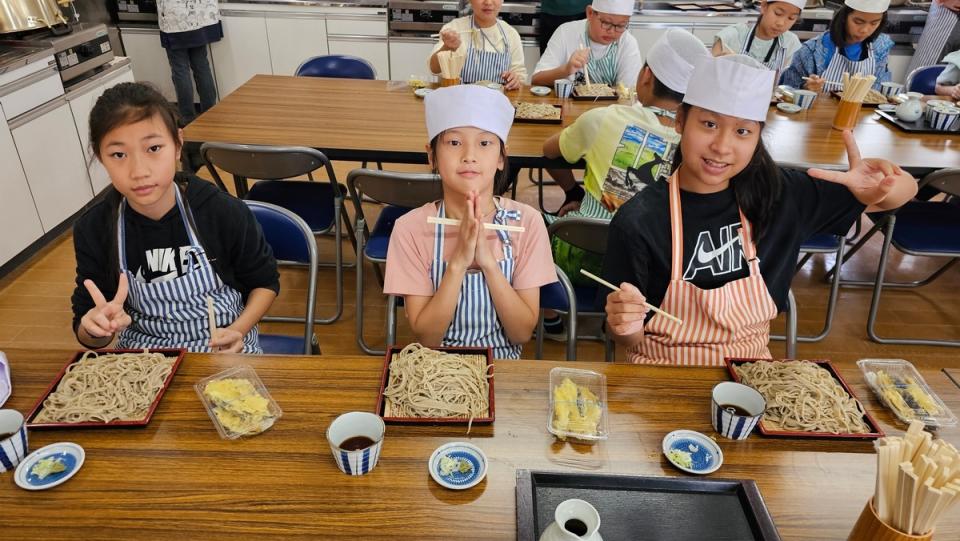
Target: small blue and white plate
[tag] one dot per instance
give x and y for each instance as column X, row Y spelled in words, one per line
column 539, row 90
column 789, row 108
column 705, row 454
column 422, row 92
column 888, row 107
column 70, row 455
column 462, row 452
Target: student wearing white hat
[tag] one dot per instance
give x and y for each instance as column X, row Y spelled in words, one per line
column 626, row 147
column 855, row 43
column 466, row 285
column 600, row 43
column 717, row 244
column 492, row 48
column 769, row 40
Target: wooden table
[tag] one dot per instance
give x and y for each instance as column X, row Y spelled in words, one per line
column 177, row 478
column 383, row 120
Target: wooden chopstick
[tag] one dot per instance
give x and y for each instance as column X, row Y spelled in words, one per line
column 601, row 281
column 458, row 32
column 495, row 227
column 586, row 74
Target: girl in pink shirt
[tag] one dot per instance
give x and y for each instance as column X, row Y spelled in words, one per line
column 468, row 285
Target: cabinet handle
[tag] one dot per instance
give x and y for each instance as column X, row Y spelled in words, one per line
column 23, row 82
column 357, row 37
column 36, row 112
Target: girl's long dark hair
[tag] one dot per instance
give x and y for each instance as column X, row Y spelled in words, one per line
column 128, row 103
column 838, row 27
column 499, row 181
column 757, row 188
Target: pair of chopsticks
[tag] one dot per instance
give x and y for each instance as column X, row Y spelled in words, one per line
column 599, row 280
column 826, row 82
column 918, row 480
column 470, row 31
column 586, row 74
column 495, row 227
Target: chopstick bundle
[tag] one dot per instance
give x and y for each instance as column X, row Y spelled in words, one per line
column 918, row 480
column 495, row 227
column 856, row 87
column 451, row 64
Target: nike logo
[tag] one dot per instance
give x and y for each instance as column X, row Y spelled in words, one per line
column 704, row 257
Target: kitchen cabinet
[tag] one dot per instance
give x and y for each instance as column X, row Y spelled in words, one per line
column 50, row 152
column 81, row 102
column 293, row 38
column 363, row 32
column 243, row 52
column 19, row 220
column 408, row 56
column 531, row 55
column 370, row 48
column 148, row 58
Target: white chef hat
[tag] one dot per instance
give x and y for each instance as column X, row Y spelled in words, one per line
column 673, row 57
column 468, row 105
column 734, row 85
column 799, row 3
column 868, row 6
column 614, row 7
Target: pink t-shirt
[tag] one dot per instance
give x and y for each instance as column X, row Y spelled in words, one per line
column 411, row 250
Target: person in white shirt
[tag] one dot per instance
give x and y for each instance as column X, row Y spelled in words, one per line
column 768, row 40
column 600, row 43
column 492, row 47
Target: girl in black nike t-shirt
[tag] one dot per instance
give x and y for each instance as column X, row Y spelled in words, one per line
column 717, row 245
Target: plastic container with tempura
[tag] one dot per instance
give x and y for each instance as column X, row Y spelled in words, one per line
column 578, row 405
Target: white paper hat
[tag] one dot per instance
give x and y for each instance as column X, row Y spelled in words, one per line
column 673, row 57
column 468, row 105
column 614, row 7
column 868, row 6
column 799, row 3
column 734, row 85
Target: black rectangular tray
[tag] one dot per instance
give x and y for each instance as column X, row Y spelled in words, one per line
column 648, row 508
column 918, row 126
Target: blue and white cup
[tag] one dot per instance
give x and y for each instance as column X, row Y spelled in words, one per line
column 736, row 409
column 563, row 88
column 13, row 439
column 890, row 89
column 931, row 106
column 355, row 440
column 804, row 98
column 943, row 118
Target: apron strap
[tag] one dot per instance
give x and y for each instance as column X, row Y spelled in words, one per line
column 775, row 45
column 185, row 214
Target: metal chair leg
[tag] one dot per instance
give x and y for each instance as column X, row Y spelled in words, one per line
column 791, row 325
column 361, row 342
column 391, row 333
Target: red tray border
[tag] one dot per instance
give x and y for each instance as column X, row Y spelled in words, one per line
column 381, row 403
column 169, row 352
column 871, row 422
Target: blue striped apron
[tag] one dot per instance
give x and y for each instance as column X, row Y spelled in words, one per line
column 603, row 70
column 484, row 65
column 475, row 321
column 840, row 64
column 937, row 30
column 173, row 313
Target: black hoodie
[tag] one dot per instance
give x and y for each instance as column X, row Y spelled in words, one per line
column 227, row 229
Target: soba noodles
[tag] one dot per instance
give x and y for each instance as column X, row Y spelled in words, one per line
column 428, row 383
column 105, row 388
column 804, row 397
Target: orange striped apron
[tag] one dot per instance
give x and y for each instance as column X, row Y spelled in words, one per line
column 730, row 321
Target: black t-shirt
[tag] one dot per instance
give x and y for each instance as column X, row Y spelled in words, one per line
column 156, row 249
column 639, row 245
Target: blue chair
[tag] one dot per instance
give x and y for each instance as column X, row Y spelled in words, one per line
column 588, row 234
column 319, row 204
column 924, row 229
column 291, row 240
column 559, row 297
column 924, row 80
column 338, row 66
column 399, row 192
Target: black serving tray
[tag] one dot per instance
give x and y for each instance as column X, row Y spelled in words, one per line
column 918, row 126
column 648, row 508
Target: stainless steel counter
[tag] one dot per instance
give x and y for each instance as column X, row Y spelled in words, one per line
column 16, row 54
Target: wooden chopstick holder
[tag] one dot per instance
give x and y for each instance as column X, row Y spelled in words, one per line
column 601, row 281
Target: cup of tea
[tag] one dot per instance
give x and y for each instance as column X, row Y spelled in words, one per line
column 563, row 88
column 577, row 517
column 355, row 440
column 736, row 409
column 13, row 439
column 890, row 89
column 804, row 98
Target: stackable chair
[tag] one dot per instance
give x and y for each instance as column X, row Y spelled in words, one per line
column 291, row 240
column 319, row 203
column 588, row 234
column 338, row 66
column 398, row 192
column 924, row 80
column 559, row 296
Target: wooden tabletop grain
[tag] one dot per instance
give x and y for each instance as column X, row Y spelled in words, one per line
column 177, row 478
column 383, row 120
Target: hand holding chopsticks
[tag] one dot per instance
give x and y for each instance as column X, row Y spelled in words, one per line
column 601, row 281
column 586, row 74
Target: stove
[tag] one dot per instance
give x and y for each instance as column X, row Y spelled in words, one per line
column 85, row 48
